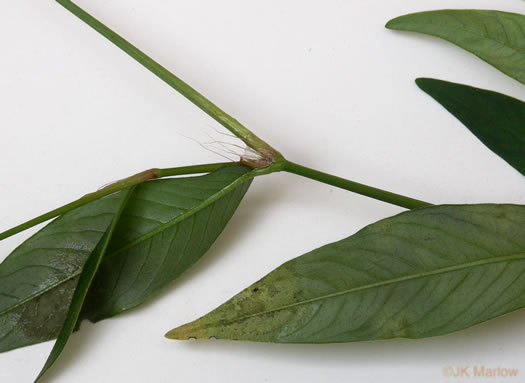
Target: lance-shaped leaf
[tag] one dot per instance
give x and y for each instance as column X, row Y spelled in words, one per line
column 166, row 226
column 422, row 273
column 84, row 282
column 496, row 119
column 496, row 37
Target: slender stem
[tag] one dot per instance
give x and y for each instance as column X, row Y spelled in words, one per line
column 176, row 83
column 369, row 191
column 113, row 188
column 192, row 169
column 271, row 161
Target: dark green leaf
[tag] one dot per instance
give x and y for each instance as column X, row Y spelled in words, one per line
column 37, row 280
column 422, row 273
column 166, row 227
column 496, row 37
column 497, row 120
column 84, row 281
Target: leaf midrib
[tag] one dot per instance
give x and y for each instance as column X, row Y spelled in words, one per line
column 232, row 185
column 205, row 203
column 514, row 257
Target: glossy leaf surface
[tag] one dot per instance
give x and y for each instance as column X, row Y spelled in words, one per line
column 422, row 273
column 166, row 226
column 496, row 119
column 496, row 37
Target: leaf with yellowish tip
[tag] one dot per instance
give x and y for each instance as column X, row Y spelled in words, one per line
column 422, row 273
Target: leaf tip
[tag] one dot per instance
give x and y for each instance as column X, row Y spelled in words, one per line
column 422, row 81
column 394, row 23
column 192, row 330
column 389, row 24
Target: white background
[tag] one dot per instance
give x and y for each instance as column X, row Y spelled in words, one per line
column 322, row 81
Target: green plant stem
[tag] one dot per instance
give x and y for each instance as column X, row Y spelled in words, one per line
column 176, row 83
column 271, row 161
column 369, row 191
column 113, row 188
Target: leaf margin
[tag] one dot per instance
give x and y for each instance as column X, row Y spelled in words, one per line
column 397, row 23
column 215, row 323
column 450, row 94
